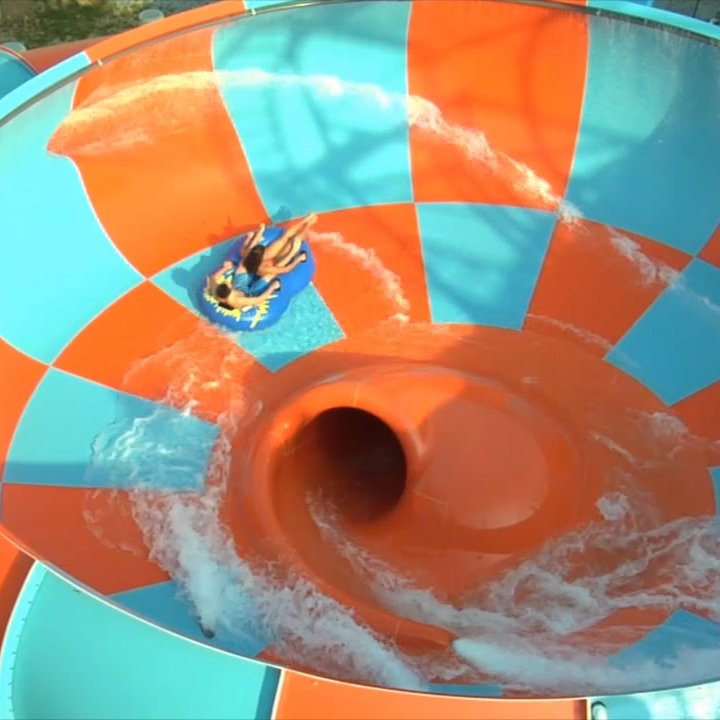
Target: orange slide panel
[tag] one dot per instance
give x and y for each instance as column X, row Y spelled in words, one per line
column 584, row 285
column 306, row 698
column 426, row 536
column 527, row 116
column 390, row 234
column 91, row 523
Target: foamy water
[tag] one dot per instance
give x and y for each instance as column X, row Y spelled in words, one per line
column 235, row 598
column 650, row 271
column 368, row 261
column 518, row 629
column 615, row 447
column 585, row 336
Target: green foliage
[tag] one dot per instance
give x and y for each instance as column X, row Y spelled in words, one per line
column 55, row 22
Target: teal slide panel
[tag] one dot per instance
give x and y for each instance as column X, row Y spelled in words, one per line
column 77, row 657
column 13, row 72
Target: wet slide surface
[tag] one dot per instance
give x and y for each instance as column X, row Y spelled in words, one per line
column 64, row 634
column 478, row 454
column 61, row 635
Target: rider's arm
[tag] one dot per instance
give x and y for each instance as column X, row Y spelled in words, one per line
column 247, row 301
column 265, row 294
column 219, row 276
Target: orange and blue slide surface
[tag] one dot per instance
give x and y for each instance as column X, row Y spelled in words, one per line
column 473, row 470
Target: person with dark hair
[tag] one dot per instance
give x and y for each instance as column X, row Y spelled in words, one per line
column 233, row 299
column 252, row 262
column 222, row 287
column 224, row 276
column 278, row 257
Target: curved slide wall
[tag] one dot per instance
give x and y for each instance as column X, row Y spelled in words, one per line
column 14, row 71
column 517, row 253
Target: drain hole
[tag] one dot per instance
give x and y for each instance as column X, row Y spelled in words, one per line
column 353, row 459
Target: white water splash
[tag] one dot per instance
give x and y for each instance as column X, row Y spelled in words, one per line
column 84, row 131
column 530, row 611
column 696, row 301
column 518, row 628
column 584, row 335
column 666, row 427
column 236, row 598
column 554, row 672
column 651, row 271
column 614, row 507
column 610, row 444
column 655, row 272
column 367, row 259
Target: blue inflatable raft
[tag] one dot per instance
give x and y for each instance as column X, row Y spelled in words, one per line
column 267, row 313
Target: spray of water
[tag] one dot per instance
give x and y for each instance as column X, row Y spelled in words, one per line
column 368, row 261
column 525, row 628
column 535, row 610
column 85, row 131
column 583, row 335
column 235, row 598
